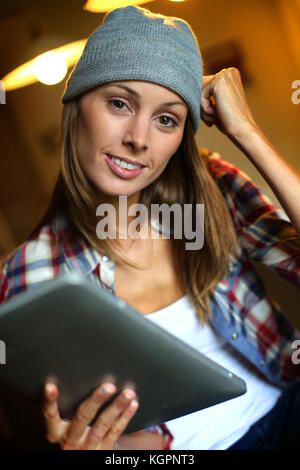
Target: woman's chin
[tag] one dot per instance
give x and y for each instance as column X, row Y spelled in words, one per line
column 110, row 192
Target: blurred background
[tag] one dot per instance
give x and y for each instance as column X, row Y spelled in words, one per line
column 260, row 37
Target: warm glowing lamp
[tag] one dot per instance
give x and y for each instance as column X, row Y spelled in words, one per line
column 107, row 5
column 49, row 68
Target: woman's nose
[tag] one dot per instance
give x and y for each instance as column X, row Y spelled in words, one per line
column 136, row 134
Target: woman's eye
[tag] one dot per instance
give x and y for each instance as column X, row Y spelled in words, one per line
column 120, row 103
column 174, row 123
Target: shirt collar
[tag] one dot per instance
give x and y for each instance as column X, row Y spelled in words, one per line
column 83, row 258
column 78, row 255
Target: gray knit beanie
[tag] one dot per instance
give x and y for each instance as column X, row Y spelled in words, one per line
column 133, row 43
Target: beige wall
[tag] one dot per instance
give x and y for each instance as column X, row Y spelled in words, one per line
column 271, row 67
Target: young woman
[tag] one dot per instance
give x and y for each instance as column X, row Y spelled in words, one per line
column 131, row 108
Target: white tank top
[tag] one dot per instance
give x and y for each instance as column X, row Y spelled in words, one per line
column 219, row 426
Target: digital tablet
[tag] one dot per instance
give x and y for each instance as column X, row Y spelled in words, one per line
column 78, row 334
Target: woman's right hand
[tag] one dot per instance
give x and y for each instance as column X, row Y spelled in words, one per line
column 77, row 434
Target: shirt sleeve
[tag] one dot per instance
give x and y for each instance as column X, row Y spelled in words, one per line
column 4, row 288
column 165, row 432
column 263, row 230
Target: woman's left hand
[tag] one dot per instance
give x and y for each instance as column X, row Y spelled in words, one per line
column 224, row 103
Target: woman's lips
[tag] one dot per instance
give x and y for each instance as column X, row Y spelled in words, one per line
column 127, row 160
column 122, row 172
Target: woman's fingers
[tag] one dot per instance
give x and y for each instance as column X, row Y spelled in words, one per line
column 77, row 434
column 85, row 413
column 224, row 102
column 120, row 425
column 54, row 424
column 112, row 422
column 206, row 79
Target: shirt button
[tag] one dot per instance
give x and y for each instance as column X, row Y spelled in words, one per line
column 262, row 362
column 105, row 258
column 234, row 336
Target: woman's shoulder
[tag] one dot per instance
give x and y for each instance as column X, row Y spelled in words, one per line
column 221, row 169
column 235, row 185
column 30, row 263
column 34, row 247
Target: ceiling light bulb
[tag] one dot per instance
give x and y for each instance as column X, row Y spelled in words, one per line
column 108, row 5
column 50, row 68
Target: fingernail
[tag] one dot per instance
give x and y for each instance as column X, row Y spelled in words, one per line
column 128, row 394
column 49, row 389
column 108, row 388
column 134, row 404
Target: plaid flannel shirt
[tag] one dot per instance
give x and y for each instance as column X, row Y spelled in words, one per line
column 242, row 310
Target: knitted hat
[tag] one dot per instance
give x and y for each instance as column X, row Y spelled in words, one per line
column 133, row 43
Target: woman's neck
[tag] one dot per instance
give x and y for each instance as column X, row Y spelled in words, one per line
column 115, row 210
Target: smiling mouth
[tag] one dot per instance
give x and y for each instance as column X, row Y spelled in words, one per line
column 122, row 168
column 125, row 163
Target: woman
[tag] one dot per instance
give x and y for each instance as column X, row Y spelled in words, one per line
column 131, row 109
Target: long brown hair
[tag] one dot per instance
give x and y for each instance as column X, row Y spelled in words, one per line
column 185, row 180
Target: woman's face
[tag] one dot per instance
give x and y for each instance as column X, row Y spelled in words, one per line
column 133, row 122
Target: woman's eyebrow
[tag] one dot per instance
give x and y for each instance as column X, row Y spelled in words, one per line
column 137, row 95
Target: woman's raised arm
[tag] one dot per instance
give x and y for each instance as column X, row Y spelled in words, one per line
column 224, row 104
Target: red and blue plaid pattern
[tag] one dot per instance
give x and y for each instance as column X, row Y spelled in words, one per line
column 243, row 312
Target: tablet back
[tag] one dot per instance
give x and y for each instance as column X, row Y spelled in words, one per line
column 78, row 335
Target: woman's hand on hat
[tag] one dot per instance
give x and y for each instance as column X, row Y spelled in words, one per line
column 77, row 434
column 224, row 103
